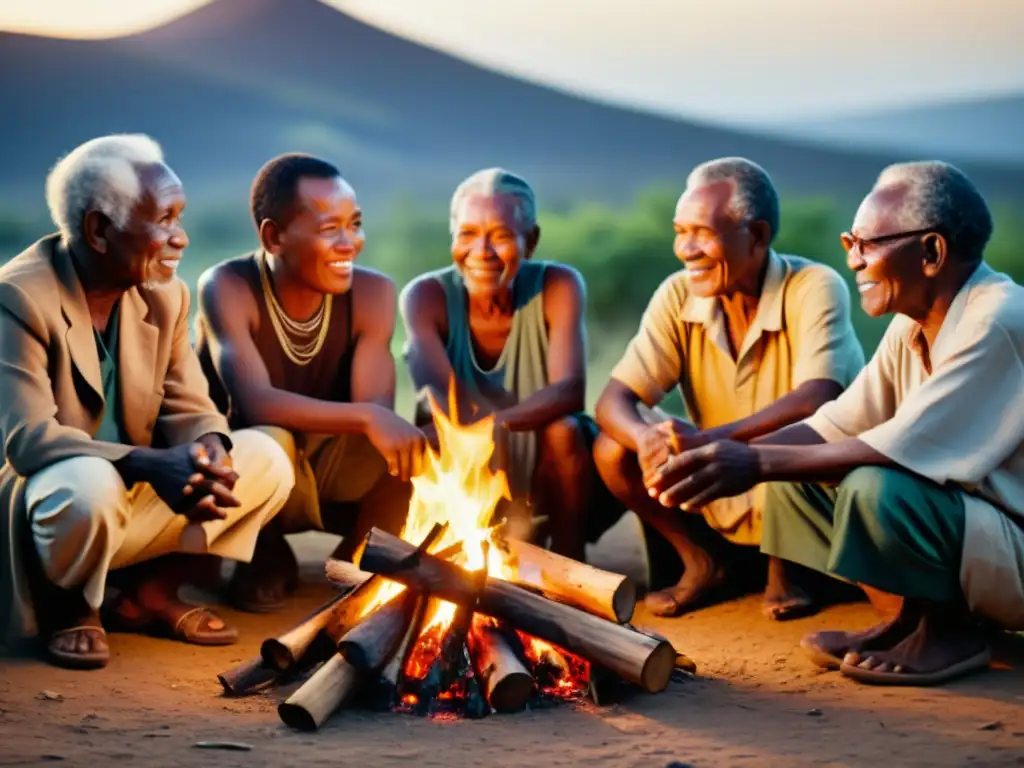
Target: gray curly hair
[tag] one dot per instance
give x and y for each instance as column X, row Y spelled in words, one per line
column 940, row 195
column 497, row 181
column 101, row 174
column 753, row 197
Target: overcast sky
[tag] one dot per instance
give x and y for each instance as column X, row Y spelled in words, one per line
column 747, row 61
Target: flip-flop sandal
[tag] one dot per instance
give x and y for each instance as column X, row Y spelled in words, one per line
column 74, row 660
column 975, row 663
column 820, row 656
column 193, row 627
column 787, row 610
column 188, row 627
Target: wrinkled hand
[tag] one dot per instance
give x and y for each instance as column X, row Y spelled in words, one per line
column 660, row 441
column 399, row 442
column 190, row 483
column 700, row 475
column 218, row 460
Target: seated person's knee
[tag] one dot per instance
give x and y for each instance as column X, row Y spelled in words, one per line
column 610, row 455
column 563, row 438
column 78, row 498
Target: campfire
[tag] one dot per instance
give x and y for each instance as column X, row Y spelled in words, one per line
column 454, row 617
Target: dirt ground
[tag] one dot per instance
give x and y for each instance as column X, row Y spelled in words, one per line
column 756, row 701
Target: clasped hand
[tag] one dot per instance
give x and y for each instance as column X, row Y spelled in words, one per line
column 692, row 479
column 195, row 479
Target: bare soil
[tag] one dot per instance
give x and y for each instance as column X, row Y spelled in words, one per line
column 756, row 701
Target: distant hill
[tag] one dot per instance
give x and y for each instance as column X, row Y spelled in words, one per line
column 984, row 129
column 232, row 84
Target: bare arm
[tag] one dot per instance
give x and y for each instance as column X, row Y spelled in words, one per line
column 794, row 434
column 373, row 367
column 618, row 416
column 229, row 312
column 425, row 319
column 788, row 409
column 564, row 312
column 824, row 462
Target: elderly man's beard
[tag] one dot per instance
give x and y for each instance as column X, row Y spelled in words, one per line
column 150, row 280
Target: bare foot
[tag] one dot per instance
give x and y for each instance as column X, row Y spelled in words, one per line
column 263, row 585
column 783, row 598
column 828, row 648
column 82, row 644
column 701, row 579
column 940, row 648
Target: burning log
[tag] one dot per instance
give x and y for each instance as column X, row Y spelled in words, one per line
column 496, row 654
column 609, row 595
column 636, row 657
column 329, row 687
column 389, row 682
column 371, row 642
column 247, row 677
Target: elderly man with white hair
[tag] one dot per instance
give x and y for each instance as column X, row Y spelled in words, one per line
column 754, row 340
column 114, row 454
column 927, row 445
column 509, row 331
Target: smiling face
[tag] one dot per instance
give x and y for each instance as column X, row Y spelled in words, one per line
column 148, row 248
column 892, row 264
column 323, row 237
column 720, row 253
column 489, row 244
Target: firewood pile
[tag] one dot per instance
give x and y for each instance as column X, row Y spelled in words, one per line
column 417, row 632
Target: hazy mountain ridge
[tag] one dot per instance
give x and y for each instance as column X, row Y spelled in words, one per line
column 237, row 81
column 989, row 128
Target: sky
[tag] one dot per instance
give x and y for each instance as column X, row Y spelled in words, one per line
column 739, row 61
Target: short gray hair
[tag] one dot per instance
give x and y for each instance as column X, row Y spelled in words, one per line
column 940, row 195
column 491, row 182
column 753, row 197
column 101, row 174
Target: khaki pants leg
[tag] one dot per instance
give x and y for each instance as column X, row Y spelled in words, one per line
column 328, row 469
column 85, row 522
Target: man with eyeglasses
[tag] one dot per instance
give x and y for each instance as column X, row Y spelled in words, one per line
column 755, row 341
column 927, row 445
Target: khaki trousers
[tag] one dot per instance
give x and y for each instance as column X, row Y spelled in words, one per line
column 85, row 522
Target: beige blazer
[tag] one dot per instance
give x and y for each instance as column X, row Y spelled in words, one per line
column 51, row 395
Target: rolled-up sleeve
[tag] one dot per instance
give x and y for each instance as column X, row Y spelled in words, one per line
column 824, row 343
column 653, row 362
column 964, row 420
column 870, row 400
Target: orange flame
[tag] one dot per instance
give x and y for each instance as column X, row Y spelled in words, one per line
column 457, row 487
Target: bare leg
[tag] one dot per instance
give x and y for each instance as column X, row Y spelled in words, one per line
column 562, row 482
column 149, row 603
column 784, row 598
column 688, row 534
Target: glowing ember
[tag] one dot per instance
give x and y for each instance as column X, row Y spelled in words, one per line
column 558, row 672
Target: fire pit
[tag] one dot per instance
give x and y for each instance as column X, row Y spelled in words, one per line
column 455, row 618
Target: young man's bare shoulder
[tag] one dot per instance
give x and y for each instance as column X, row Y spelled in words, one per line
column 228, row 275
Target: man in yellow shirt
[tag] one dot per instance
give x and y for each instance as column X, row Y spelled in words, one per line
column 754, row 340
column 927, row 445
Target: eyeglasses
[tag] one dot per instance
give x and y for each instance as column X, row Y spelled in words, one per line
column 851, row 241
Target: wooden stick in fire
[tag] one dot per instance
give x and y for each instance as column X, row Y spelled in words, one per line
column 635, row 657
column 496, row 653
column 609, row 595
column 337, row 680
column 247, row 677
